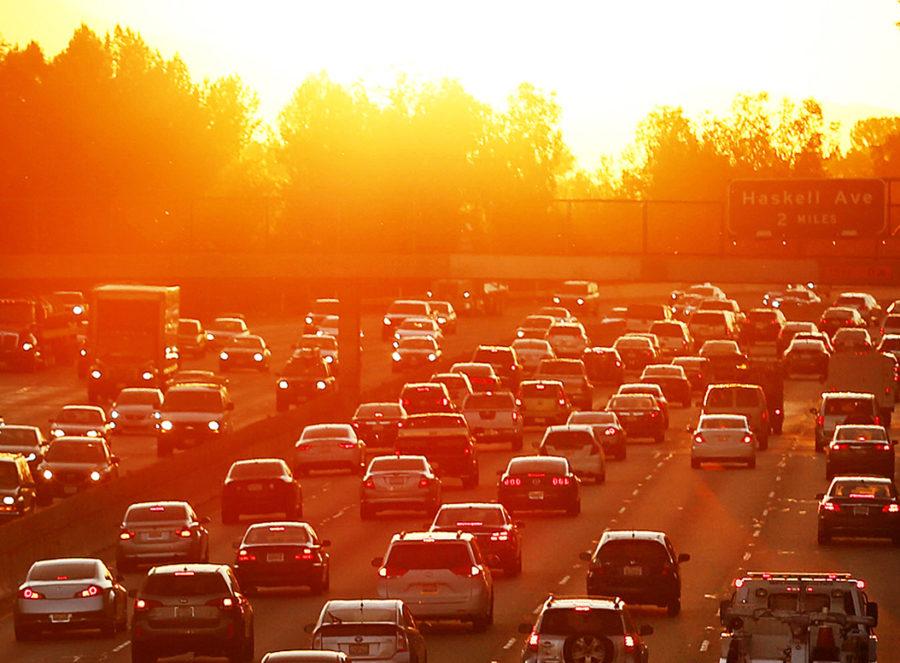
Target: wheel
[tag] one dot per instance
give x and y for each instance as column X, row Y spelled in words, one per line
column 776, row 428
column 244, row 652
column 824, row 536
column 764, row 443
column 751, row 464
column 481, row 623
column 23, row 633
column 43, row 499
column 673, row 607
column 600, row 478
column 622, row 453
column 109, row 629
column 319, row 585
column 695, row 464
column 820, row 446
column 587, row 648
column 123, row 564
column 659, row 438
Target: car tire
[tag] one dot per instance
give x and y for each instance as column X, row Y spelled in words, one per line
column 600, row 478
column 244, row 653
column 622, row 453
column 823, row 536
column 43, row 499
column 109, row 629
column 673, row 607
column 820, row 446
column 280, row 405
column 518, row 443
column 481, row 623
column 659, row 438
column 320, row 585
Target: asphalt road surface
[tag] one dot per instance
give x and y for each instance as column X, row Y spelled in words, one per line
column 730, row 519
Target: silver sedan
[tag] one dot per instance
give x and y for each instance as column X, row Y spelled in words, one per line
column 399, row 482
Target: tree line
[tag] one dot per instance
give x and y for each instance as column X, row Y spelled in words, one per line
column 109, row 143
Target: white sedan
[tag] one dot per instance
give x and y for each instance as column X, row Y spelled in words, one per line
column 723, row 438
column 329, row 447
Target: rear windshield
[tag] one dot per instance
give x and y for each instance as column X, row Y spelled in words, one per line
column 246, row 342
column 762, row 316
column 469, row 517
column 137, row 397
column 192, row 327
column 429, row 555
column 64, row 571
column 593, row 418
column 851, row 300
column 416, row 324
column 860, row 433
column 842, row 313
column 667, row 329
column 325, row 432
column 863, row 490
column 733, row 397
column 541, row 390
column 16, row 437
column 631, row 402
column 537, row 322
column 357, row 629
column 418, row 343
column 625, row 551
column 265, row 470
column 708, row 318
column 537, row 466
column 531, row 344
column 565, row 331
column 193, row 401
column 560, row 368
column 227, row 325
column 76, row 452
column 570, row 439
column 475, row 370
column 320, row 342
column 184, row 583
column 277, row 535
column 570, row 621
column 156, row 513
column 386, row 410
column 492, row 356
column 408, row 308
column 397, row 465
column 848, row 406
column 722, row 423
column 326, row 307
column 489, row 402
column 646, row 311
column 448, row 442
column 890, row 343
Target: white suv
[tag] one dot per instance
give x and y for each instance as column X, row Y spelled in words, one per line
column 439, row 575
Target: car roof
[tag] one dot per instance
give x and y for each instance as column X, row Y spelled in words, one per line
column 846, row 394
column 571, row 602
column 720, row 417
column 196, row 386
column 472, row 505
column 428, row 537
column 65, row 560
column 171, row 569
column 568, row 428
column 91, row 408
column 147, row 505
column 632, row 535
column 361, row 605
column 313, row 656
column 253, row 461
column 862, row 477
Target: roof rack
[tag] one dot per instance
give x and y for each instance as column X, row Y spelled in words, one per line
column 790, row 576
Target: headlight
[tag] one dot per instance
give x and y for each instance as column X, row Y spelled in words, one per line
column 147, row 375
column 9, row 500
column 520, row 333
column 27, row 347
column 166, row 424
column 95, row 476
column 320, row 385
column 47, row 474
column 556, row 300
column 156, row 415
column 96, row 374
column 387, row 320
column 395, row 356
column 580, row 301
column 114, row 414
column 257, row 356
column 213, row 425
column 442, row 321
column 31, row 457
column 210, row 337
column 432, row 357
column 466, row 294
column 77, row 310
column 83, row 352
column 396, row 344
column 283, row 384
column 308, row 319
column 57, row 432
column 223, row 356
column 329, row 359
column 91, row 433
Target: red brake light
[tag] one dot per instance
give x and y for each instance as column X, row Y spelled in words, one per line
column 88, row 592
column 227, row 603
column 748, row 439
column 629, row 643
column 698, row 439
column 891, row 508
column 534, row 641
column 348, row 445
column 184, row 532
column 562, row 401
column 391, row 572
column 305, row 555
column 610, row 431
column 424, row 483
column 126, row 535
column 561, row 481
column 245, row 555
column 142, row 605
column 877, row 420
column 512, row 481
column 884, row 447
column 30, row 595
column 831, row 506
column 369, row 483
column 820, row 420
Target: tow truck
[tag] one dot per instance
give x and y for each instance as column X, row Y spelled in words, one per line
column 798, row 618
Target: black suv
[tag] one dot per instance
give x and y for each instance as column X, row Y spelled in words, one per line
column 261, row 485
column 581, row 628
column 194, row 608
column 639, row 566
column 305, row 376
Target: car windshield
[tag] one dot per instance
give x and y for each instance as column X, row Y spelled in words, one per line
column 418, row 343
column 667, row 329
column 397, row 465
column 9, row 475
column 416, row 324
column 178, row 400
column 189, row 327
column 807, row 345
column 531, row 344
column 574, row 288
column 277, row 535
column 379, row 410
column 708, row 318
column 575, row 621
column 565, row 330
column 633, row 343
column 489, row 401
column 73, row 416
column 847, row 406
column 247, row 342
column 75, row 570
column 851, row 300
column 429, row 555
column 763, row 316
column 325, row 432
column 537, row 465
column 318, row 342
column 722, row 423
column 256, row 470
column 223, row 325
column 408, row 308
column 17, row 437
column 137, row 397
column 863, row 489
column 860, row 433
column 631, row 402
column 839, row 313
column 537, row 322
column 184, row 583
column 156, row 513
column 593, row 418
column 325, row 307
column 569, row 439
column 76, row 452
column 719, row 349
column 469, row 517
column 625, row 551
column 314, row 367
column 646, row 311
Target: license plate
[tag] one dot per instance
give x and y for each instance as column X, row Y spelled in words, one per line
column 70, row 490
column 275, row 557
column 429, row 589
column 255, row 487
column 536, row 495
column 184, row 612
column 154, row 536
column 358, row 650
column 60, row 618
column 633, row 571
column 396, row 481
column 860, row 511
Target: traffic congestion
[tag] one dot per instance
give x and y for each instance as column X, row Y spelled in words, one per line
column 559, row 478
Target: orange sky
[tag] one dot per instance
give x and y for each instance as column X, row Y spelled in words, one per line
column 609, row 63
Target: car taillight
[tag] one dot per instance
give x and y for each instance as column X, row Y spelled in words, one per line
column 402, row 644
column 534, row 641
column 748, row 439
column 831, row 506
column 466, row 571
column 699, row 439
column 347, row 445
column 654, row 413
column 424, row 483
column 184, row 532
column 518, row 402
column 88, row 592
column 890, row 508
column 369, row 483
column 391, row 572
column 512, row 481
column 884, row 447
column 500, row 536
column 610, row 431
column 629, row 643
column 618, row 364
column 30, row 595
column 838, row 446
column 305, row 555
column 561, row 481
column 820, row 420
column 226, row 603
column 245, row 555
column 877, row 420
column 515, row 416
column 126, row 535
column 562, row 401
column 303, row 447
column 142, row 605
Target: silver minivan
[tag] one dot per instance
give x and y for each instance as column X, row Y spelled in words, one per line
column 580, row 445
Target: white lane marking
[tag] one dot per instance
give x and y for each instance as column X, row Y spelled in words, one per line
column 510, row 643
column 119, row 648
column 564, row 580
column 622, row 510
column 657, row 454
column 747, row 555
column 756, row 533
column 772, row 494
column 648, row 477
column 635, row 491
column 704, row 645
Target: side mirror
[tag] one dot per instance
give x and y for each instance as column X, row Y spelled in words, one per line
column 585, row 556
column 309, row 628
column 325, row 543
column 376, row 561
column 684, row 557
column 872, row 612
column 645, row 629
column 820, row 496
column 525, row 628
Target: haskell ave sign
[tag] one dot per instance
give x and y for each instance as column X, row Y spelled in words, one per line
column 798, row 209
